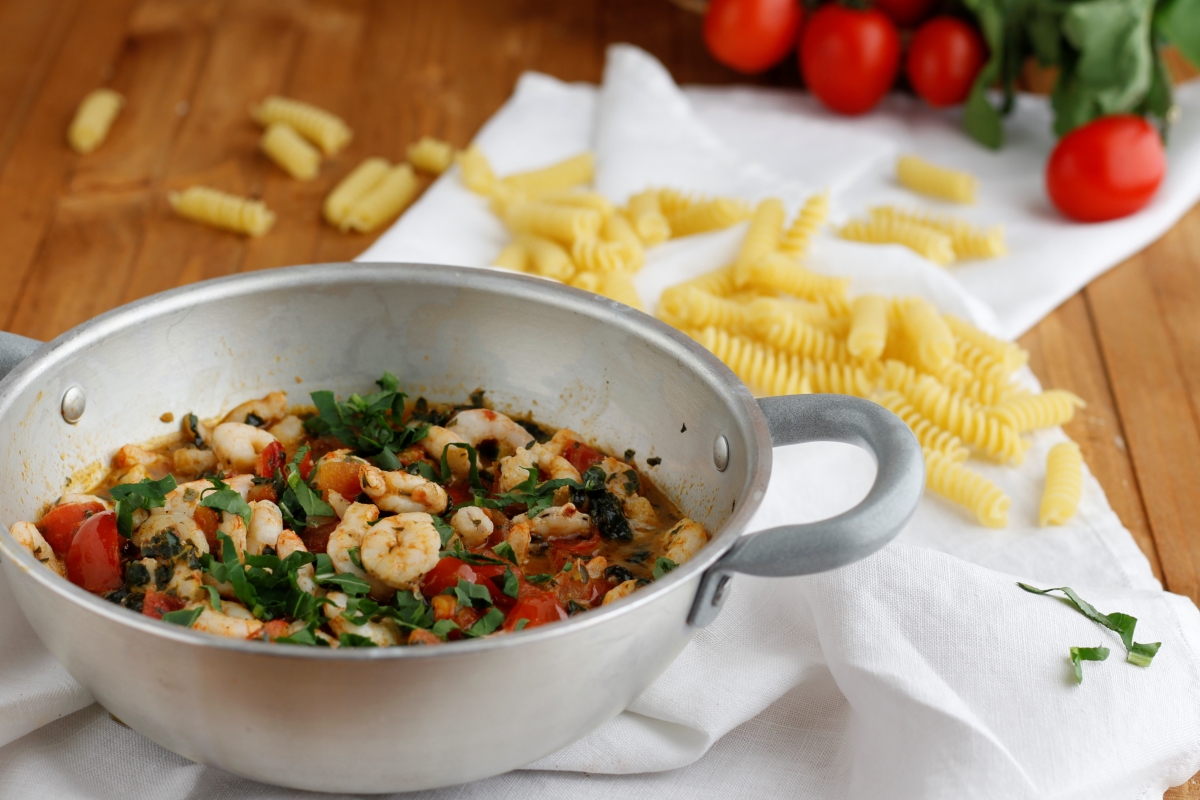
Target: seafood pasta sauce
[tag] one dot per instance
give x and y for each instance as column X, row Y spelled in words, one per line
column 374, row 521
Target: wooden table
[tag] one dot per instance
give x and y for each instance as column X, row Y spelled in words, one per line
column 80, row 235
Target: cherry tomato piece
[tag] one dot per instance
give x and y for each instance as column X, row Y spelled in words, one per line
column 849, row 57
column 208, row 521
column 446, row 575
column 1106, row 169
column 263, row 491
column 157, row 603
column 341, row 477
column 316, row 538
column 459, row 493
column 270, row 459
column 275, row 629
column 94, row 558
column 579, row 547
column 905, row 13
column 536, row 609
column 59, row 525
column 581, row 456
column 751, row 35
column 306, row 465
column 944, row 58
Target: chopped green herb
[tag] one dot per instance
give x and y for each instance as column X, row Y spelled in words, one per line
column 145, row 494
column 505, row 551
column 442, row 628
column 662, row 565
column 354, row 640
column 511, row 585
column 1138, row 653
column 1081, row 654
column 631, row 481
column 541, row 577
column 653, row 462
column 370, row 425
column 305, row 636
column 472, row 594
column 574, row 607
column 186, row 617
column 214, row 597
column 355, row 559
column 444, row 530
column 629, row 454
column 521, row 623
column 254, row 419
column 223, row 498
column 488, row 623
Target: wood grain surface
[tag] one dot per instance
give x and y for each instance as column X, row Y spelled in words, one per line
column 81, row 235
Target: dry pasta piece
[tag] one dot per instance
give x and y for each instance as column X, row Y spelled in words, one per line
column 647, row 218
column 619, row 286
column 597, row 255
column 928, row 332
column 616, row 229
column 930, row 436
column 514, row 256
column 574, row 171
column 384, row 201
column 966, row 420
column 687, row 215
column 980, row 362
column 1033, row 411
column 797, row 238
column 771, row 372
column 323, row 129
column 762, row 238
column 868, row 327
column 688, row 307
column 922, row 177
column 790, row 334
column 93, row 119
column 291, row 151
column 365, row 177
column 780, row 273
column 548, row 258
column 923, row 241
column 222, row 210
column 476, row 170
column 816, row 314
column 719, row 282
column 827, row 377
column 967, row 488
column 1064, row 484
column 560, row 223
column 581, row 199
column 587, row 281
column 431, row 155
column 968, row 241
column 1010, row 354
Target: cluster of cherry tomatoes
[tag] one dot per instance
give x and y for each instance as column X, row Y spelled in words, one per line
column 850, row 56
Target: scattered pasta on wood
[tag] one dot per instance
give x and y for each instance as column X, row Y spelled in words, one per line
column 365, row 177
column 384, row 201
column 327, row 131
column 93, row 119
column 431, row 155
column 291, row 151
column 222, row 210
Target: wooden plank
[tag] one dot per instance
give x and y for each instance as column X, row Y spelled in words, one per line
column 1156, row 415
column 1064, row 354
column 40, row 160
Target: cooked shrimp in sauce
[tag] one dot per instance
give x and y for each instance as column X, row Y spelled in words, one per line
column 372, row 522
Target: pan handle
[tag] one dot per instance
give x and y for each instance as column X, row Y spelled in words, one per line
column 848, row 537
column 14, row 349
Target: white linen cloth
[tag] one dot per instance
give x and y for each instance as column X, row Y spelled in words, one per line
column 921, row 672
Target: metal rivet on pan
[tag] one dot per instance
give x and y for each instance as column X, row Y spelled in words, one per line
column 721, row 453
column 73, row 404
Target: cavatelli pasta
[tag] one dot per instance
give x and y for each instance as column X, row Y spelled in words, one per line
column 1033, row 411
column 689, row 308
column 291, row 151
column 616, row 229
column 929, row 179
column 597, row 255
column 967, row 488
column 476, row 170
column 563, row 224
column 968, row 241
column 323, row 129
column 365, row 177
column 790, row 334
column 930, row 436
column 780, row 273
column 222, row 210
column 966, row 420
column 797, row 238
column 1010, row 354
column 431, row 155
column 547, row 258
column 93, row 119
column 687, row 216
column 868, row 327
column 647, row 218
column 514, row 256
column 566, row 174
column 926, row 242
column 383, row 201
column 762, row 238
column 928, row 332
column 1064, row 484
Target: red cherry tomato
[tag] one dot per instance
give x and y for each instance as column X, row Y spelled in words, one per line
column 446, row 575
column 94, row 558
column 276, row 628
column 306, row 465
column 905, row 13
column 156, row 604
column 1106, row 169
column 208, row 520
column 849, row 57
column 751, row 35
column 581, row 456
column 270, row 459
column 944, row 58
column 263, row 491
column 537, row 609
column 316, row 538
column 59, row 525
column 459, row 493
column 341, row 477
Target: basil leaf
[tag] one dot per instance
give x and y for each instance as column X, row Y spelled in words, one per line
column 304, row 636
column 443, row 528
column 1081, row 654
column 1178, row 21
column 146, row 494
column 521, row 623
column 426, row 472
column 443, row 627
column 542, row 577
column 488, row 623
column 214, row 597
column 511, row 585
column 354, row 640
column 387, row 460
column 222, row 498
column 309, row 501
column 1141, row 654
column 473, row 458
column 1123, row 625
column 472, row 594
column 662, row 566
column 186, row 617
column 505, row 551
column 355, row 559
column 350, row 583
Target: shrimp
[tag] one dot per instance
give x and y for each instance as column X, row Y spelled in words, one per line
column 131, row 456
column 436, row 442
column 621, row 590
column 266, row 523
column 514, row 469
column 29, row 537
column 401, row 492
column 185, row 582
column 684, row 540
column 478, row 425
column 186, row 497
column 288, row 543
column 472, row 525
column 348, row 536
column 233, row 621
column 558, row 522
column 595, row 567
column 518, row 538
column 193, row 461
column 289, row 432
column 399, row 550
column 338, row 503
column 622, row 481
column 163, row 521
column 383, row 633
column 238, row 445
column 271, row 408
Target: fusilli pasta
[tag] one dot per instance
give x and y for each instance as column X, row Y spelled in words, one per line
column 790, row 334
column 1064, row 484
column 926, row 242
column 476, row 170
column 222, row 210
column 967, row 488
column 966, row 420
column 566, row 174
column 930, row 436
column 291, row 151
column 687, row 307
column 323, row 129
column 93, row 119
column 1033, row 411
column 563, row 224
column 384, row 201
column 868, row 327
column 928, row 333
column 647, row 218
column 780, row 273
column 797, row 238
column 431, row 155
column 929, row 179
column 687, row 216
column 513, row 256
column 1011, row 355
column 365, row 177
column 762, row 238
column 967, row 240
column 547, row 258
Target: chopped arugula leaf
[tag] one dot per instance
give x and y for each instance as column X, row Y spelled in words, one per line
column 1138, row 653
column 354, row 640
column 186, row 617
column 662, row 565
column 472, row 594
column 223, row 498
column 488, row 623
column 1081, row 654
column 145, row 494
